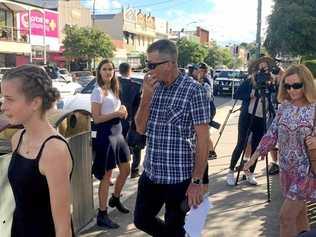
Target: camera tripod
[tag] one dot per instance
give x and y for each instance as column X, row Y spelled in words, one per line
column 262, row 96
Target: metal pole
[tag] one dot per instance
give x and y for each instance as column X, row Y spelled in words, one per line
column 258, row 41
column 44, row 37
column 30, row 36
column 93, row 13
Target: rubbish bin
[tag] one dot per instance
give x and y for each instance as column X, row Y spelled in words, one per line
column 75, row 126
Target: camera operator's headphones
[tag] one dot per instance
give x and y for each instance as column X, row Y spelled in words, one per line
column 253, row 66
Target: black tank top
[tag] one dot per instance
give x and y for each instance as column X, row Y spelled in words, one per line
column 32, row 215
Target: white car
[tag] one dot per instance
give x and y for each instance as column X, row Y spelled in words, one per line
column 3, row 70
column 64, row 73
column 81, row 99
column 66, row 88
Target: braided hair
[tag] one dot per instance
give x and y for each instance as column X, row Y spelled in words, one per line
column 35, row 82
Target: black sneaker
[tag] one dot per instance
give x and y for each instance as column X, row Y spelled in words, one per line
column 115, row 202
column 212, row 155
column 274, row 169
column 103, row 220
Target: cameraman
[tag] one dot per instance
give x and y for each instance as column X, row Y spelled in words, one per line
column 249, row 93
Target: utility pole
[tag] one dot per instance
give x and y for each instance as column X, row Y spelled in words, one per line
column 258, row 40
column 93, row 20
column 93, row 13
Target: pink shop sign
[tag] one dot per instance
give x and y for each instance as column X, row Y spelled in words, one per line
column 37, row 19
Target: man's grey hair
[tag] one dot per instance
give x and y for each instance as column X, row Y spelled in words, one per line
column 165, row 48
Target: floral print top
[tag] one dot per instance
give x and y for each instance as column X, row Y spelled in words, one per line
column 289, row 129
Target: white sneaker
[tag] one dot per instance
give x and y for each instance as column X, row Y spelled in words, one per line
column 252, row 179
column 230, row 179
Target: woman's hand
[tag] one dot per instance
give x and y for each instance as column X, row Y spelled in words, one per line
column 311, row 142
column 122, row 112
column 250, row 163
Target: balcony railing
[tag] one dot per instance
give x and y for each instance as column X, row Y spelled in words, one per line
column 13, row 34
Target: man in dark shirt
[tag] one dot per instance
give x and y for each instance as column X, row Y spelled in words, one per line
column 130, row 96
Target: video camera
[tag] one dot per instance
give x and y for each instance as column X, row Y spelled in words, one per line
column 263, row 76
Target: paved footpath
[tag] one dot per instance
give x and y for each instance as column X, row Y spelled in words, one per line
column 241, row 211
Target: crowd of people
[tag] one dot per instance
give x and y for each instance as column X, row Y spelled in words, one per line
column 170, row 113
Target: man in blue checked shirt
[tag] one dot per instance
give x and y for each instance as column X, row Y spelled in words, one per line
column 174, row 113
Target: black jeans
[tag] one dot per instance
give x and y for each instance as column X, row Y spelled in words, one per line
column 136, row 158
column 257, row 129
column 150, row 199
column 135, row 151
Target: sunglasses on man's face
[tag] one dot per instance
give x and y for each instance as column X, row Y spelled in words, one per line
column 295, row 86
column 152, row 66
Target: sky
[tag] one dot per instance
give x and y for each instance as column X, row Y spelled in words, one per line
column 228, row 21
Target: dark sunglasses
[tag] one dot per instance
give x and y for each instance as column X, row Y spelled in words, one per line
column 295, row 86
column 152, row 66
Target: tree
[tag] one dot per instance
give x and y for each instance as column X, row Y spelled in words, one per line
column 221, row 56
column 143, row 60
column 190, row 52
column 292, row 28
column 81, row 42
column 213, row 57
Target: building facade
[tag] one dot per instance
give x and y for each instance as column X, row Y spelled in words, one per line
column 15, row 47
column 38, row 42
column 132, row 31
column 199, row 35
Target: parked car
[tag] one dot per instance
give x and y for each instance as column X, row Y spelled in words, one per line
column 227, row 82
column 81, row 99
column 82, row 77
column 64, row 73
column 3, row 70
column 66, row 88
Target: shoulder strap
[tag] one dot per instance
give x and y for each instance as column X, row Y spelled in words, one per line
column 38, row 157
column 20, row 140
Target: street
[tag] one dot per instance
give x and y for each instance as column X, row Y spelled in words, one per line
column 238, row 211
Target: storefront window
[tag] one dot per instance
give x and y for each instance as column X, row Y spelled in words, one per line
column 2, row 17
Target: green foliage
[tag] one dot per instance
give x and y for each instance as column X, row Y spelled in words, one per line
column 190, row 52
column 218, row 56
column 311, row 64
column 81, row 42
column 292, row 28
column 143, row 60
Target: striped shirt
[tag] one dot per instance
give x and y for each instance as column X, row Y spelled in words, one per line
column 174, row 111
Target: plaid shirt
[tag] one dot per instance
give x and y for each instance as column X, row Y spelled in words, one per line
column 170, row 130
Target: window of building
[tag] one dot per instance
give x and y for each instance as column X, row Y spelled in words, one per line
column 2, row 17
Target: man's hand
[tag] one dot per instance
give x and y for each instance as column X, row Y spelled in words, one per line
column 194, row 194
column 149, row 85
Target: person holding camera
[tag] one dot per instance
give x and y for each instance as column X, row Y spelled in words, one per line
column 251, row 115
column 294, row 132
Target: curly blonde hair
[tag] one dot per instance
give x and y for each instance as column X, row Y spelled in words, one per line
column 305, row 75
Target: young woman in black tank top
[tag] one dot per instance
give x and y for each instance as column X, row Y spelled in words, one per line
column 41, row 164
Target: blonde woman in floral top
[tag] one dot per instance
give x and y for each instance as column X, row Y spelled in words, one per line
column 290, row 129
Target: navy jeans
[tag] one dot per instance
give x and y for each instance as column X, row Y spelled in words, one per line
column 257, row 129
column 150, row 199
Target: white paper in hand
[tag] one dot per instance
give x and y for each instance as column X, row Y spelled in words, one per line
column 195, row 219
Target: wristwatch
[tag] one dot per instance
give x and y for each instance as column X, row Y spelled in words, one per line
column 196, row 181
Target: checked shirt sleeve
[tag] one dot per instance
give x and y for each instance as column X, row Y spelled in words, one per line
column 200, row 106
